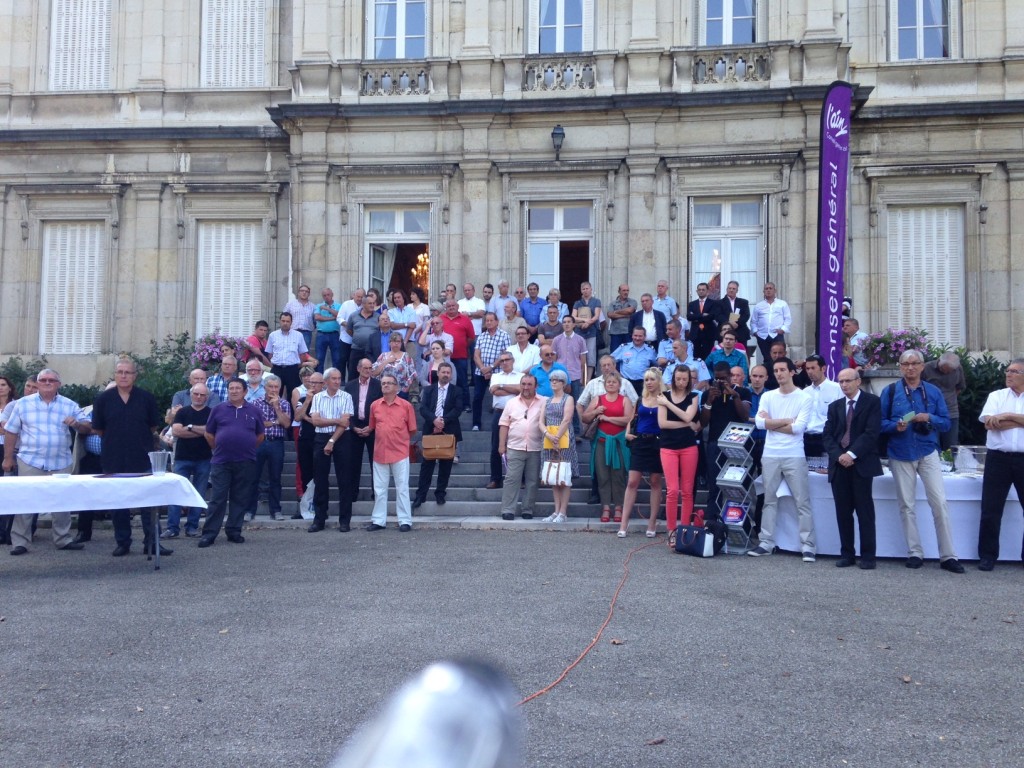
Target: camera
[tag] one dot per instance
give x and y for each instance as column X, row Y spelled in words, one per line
column 923, row 427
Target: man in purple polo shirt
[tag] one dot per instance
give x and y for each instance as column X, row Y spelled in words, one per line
column 234, row 432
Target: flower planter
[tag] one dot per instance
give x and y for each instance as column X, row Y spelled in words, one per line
column 877, row 379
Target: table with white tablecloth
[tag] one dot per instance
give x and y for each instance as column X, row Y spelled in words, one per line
column 963, row 496
column 77, row 493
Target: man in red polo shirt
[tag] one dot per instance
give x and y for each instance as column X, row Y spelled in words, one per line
column 393, row 422
column 461, row 329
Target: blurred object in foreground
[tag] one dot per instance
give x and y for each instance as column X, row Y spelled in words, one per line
column 455, row 714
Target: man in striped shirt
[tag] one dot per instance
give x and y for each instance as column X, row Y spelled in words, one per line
column 330, row 413
column 277, row 420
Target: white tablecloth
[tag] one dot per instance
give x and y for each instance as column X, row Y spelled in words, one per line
column 47, row 493
column 963, row 496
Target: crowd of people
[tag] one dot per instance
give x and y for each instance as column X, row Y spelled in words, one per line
column 652, row 385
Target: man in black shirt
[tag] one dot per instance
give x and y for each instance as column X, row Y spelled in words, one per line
column 127, row 418
column 191, row 457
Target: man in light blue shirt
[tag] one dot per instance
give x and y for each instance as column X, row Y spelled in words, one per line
column 635, row 358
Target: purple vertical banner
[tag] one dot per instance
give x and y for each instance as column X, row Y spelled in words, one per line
column 832, row 185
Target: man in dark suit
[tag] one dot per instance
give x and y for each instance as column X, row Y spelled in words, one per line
column 651, row 320
column 440, row 407
column 704, row 315
column 851, row 440
column 363, row 390
column 732, row 304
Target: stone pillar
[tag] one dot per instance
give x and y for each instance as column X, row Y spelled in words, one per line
column 154, row 269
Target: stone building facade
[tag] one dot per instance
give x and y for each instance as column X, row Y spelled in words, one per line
column 176, row 165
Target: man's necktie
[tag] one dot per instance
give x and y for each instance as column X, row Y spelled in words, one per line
column 439, row 410
column 845, row 442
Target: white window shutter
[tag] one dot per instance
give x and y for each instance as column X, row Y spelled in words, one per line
column 80, row 45
column 926, row 271
column 74, row 277
column 589, row 23
column 232, row 44
column 229, row 273
column 533, row 26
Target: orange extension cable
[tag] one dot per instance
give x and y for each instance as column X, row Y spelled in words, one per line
column 597, row 637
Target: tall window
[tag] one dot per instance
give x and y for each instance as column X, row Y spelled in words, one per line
column 923, row 29
column 926, row 270
column 561, row 26
column 80, row 45
column 730, row 22
column 73, row 287
column 230, row 276
column 232, row 44
column 397, row 29
column 559, row 245
column 728, row 236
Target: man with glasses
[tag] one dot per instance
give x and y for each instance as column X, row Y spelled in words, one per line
column 1003, row 417
column 914, row 413
column 542, row 370
column 393, row 422
column 127, row 417
column 525, row 354
column 192, row 456
column 254, row 389
column 301, row 308
column 851, row 439
column 37, row 434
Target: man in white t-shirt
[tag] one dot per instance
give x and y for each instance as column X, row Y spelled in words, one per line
column 350, row 307
column 785, row 413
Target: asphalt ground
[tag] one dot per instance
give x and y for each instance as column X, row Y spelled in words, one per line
column 273, row 652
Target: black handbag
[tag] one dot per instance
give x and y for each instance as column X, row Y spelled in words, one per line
column 694, row 540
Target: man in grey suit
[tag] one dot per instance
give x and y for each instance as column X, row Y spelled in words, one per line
column 851, row 440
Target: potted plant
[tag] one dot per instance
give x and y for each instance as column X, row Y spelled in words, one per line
column 883, row 350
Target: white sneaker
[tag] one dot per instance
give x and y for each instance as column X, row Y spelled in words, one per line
column 552, row 518
column 808, row 557
column 559, row 519
column 476, row 429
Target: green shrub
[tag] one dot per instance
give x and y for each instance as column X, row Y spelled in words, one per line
column 17, row 371
column 984, row 374
column 165, row 370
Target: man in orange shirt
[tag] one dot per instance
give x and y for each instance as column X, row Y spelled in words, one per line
column 393, row 422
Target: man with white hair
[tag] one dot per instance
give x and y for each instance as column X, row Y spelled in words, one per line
column 914, row 413
column 947, row 374
column 37, row 434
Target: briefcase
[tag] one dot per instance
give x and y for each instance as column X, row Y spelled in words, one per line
column 438, row 447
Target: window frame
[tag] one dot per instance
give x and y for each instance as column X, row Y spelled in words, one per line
column 533, row 28
column 953, row 31
column 401, row 36
column 726, row 234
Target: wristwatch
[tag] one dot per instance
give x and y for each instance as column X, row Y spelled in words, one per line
column 189, row 427
column 330, row 440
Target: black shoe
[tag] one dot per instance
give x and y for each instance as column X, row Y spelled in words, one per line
column 375, row 527
column 18, row 551
column 121, row 550
column 296, row 516
column 866, row 565
column 273, row 515
column 507, row 516
column 914, row 562
column 440, row 498
column 405, row 527
column 844, row 562
column 527, row 515
column 594, row 500
column 986, row 565
column 417, row 503
column 314, row 527
column 236, row 538
column 74, row 545
column 952, row 565
column 206, row 541
column 344, row 527
column 164, row 551
column 81, row 539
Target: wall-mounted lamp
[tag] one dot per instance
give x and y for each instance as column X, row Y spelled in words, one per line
column 557, row 139
column 673, row 210
column 610, row 210
column 445, row 213
column 983, row 213
column 504, row 213
column 344, row 215
column 784, row 207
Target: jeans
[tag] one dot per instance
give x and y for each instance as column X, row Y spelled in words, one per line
column 480, row 388
column 231, row 482
column 382, row 474
column 904, row 475
column 461, row 367
column 271, row 455
column 328, row 340
column 198, row 472
column 794, row 470
column 496, row 465
column 307, row 336
column 680, row 465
